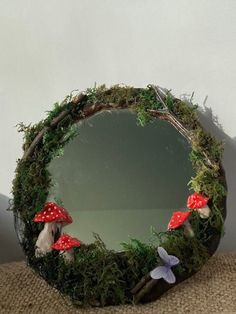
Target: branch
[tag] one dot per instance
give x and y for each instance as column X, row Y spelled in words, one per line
column 145, row 285
column 159, row 96
column 167, row 115
column 164, row 115
column 91, row 108
column 141, row 283
column 55, row 121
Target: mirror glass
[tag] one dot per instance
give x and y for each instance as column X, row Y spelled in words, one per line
column 118, row 179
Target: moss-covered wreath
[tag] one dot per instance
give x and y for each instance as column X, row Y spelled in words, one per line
column 99, row 276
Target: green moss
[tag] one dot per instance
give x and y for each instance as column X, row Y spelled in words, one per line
column 141, row 99
column 100, row 276
column 147, row 100
column 186, row 114
column 115, row 95
column 211, row 147
column 141, row 257
column 95, row 276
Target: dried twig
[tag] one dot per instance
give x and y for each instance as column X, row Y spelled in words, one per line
column 54, row 122
column 174, row 121
column 143, row 287
column 141, row 283
column 145, row 290
column 166, row 114
column 159, row 96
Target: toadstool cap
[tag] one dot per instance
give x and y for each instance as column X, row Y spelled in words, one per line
column 65, row 242
column 52, row 212
column 196, row 200
column 177, row 219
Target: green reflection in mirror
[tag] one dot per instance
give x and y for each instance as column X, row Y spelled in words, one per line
column 118, row 179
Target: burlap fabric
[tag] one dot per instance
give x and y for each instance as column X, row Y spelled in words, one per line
column 212, row 290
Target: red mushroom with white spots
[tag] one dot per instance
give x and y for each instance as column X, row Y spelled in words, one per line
column 55, row 217
column 198, row 202
column 181, row 218
column 66, row 244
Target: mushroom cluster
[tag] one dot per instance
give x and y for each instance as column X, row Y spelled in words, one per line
column 55, row 217
column 197, row 202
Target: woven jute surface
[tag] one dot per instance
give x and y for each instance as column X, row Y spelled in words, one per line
column 212, row 290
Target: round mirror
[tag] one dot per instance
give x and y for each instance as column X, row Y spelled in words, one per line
column 84, row 218
column 118, row 179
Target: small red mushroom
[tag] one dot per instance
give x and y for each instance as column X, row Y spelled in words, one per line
column 66, row 244
column 55, row 217
column 52, row 212
column 198, row 202
column 178, row 219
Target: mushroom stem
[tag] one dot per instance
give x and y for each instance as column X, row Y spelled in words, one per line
column 68, row 255
column 45, row 239
column 188, row 229
column 57, row 235
column 204, row 211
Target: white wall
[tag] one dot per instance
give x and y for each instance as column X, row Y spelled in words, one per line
column 49, row 48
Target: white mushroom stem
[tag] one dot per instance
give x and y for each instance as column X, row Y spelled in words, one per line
column 188, row 229
column 204, row 212
column 59, row 226
column 46, row 238
column 68, row 255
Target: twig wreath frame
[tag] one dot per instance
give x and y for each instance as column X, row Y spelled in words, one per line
column 99, row 276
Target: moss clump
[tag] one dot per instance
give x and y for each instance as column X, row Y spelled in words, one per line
column 147, row 100
column 100, row 276
column 94, row 278
column 115, row 95
column 186, row 114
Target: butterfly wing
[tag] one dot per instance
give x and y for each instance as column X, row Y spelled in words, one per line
column 169, row 276
column 159, row 272
column 173, row 260
column 163, row 255
column 170, row 260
